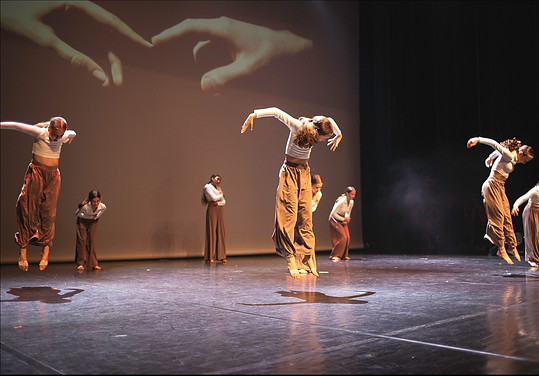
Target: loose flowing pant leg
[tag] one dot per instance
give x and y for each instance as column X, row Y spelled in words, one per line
column 36, row 204
column 91, row 246
column 340, row 239
column 530, row 223
column 82, row 241
column 293, row 231
column 500, row 224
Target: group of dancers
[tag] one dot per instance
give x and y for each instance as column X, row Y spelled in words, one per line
column 293, row 235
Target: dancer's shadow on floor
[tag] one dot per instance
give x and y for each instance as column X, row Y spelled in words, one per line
column 316, row 297
column 42, row 294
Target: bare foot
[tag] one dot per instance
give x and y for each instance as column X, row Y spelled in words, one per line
column 292, row 267
column 44, row 257
column 501, row 252
column 312, row 265
column 23, row 262
column 514, row 251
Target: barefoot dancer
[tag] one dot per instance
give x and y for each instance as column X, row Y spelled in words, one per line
column 502, row 162
column 338, row 224
column 36, row 205
column 293, row 232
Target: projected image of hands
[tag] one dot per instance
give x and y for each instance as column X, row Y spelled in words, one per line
column 25, row 18
column 250, row 47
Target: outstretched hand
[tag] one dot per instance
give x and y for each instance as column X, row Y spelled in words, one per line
column 251, row 46
column 24, row 18
column 334, row 142
column 69, row 135
column 514, row 211
column 472, row 142
column 248, row 123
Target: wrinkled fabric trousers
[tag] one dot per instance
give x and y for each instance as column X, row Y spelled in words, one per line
column 86, row 248
column 340, row 238
column 36, row 205
column 500, row 225
column 293, row 233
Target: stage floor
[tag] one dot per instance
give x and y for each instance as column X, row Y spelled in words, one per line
column 375, row 314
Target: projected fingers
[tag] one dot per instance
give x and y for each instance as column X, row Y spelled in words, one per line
column 24, row 18
column 249, row 46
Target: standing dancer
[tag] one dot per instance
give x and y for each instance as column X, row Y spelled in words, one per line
column 213, row 196
column 502, row 162
column 36, row 204
column 88, row 214
column 530, row 222
column 293, row 232
column 338, row 224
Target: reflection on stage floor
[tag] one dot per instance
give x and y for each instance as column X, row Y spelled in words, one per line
column 374, row 314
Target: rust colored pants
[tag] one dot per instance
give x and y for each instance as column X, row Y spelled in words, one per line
column 293, row 233
column 36, row 205
column 500, row 225
column 340, row 238
column 86, row 248
column 215, row 248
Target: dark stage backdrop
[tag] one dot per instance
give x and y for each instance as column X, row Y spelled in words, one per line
column 434, row 74
column 150, row 140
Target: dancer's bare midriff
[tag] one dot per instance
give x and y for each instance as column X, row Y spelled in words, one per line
column 296, row 160
column 46, row 161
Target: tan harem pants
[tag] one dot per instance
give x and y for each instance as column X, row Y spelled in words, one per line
column 293, row 233
column 500, row 225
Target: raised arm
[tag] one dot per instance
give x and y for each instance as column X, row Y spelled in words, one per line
column 291, row 122
column 32, row 130
column 487, row 141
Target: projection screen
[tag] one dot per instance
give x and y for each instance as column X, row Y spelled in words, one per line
column 155, row 121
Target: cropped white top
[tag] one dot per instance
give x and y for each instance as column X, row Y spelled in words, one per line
column 505, row 160
column 44, row 147
column 292, row 149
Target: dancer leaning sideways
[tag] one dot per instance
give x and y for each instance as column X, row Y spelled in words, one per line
column 501, row 161
column 36, row 204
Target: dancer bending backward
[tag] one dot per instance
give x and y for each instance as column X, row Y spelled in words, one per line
column 338, row 225
column 36, row 204
column 293, row 233
column 503, row 160
column 530, row 222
